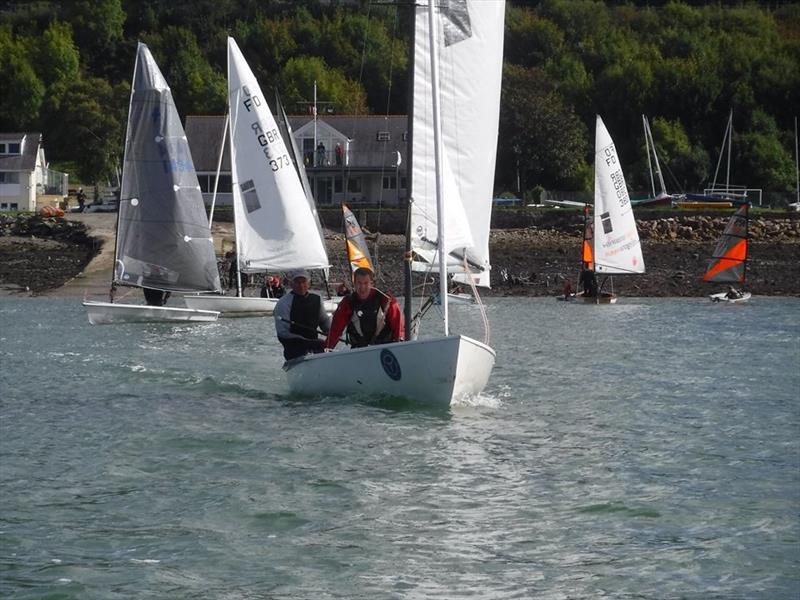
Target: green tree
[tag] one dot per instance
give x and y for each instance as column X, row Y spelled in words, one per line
column 686, row 166
column 88, row 127
column 57, row 58
column 196, row 86
column 539, row 133
column 298, row 78
column 98, row 29
column 23, row 92
column 761, row 155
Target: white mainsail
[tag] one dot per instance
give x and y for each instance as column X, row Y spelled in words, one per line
column 472, row 33
column 450, row 177
column 275, row 225
column 616, row 240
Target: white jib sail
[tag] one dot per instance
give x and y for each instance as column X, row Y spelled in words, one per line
column 472, row 43
column 275, row 226
column 616, row 240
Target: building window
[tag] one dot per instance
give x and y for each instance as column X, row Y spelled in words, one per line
column 354, row 185
column 9, row 177
column 389, row 182
column 13, row 148
column 384, row 136
column 2, row 148
column 207, row 183
column 403, row 183
column 337, row 185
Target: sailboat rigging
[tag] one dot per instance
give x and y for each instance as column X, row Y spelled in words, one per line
column 163, row 240
column 448, row 215
column 275, row 219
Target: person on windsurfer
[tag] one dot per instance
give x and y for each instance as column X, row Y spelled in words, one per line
column 369, row 315
column 733, row 293
column 298, row 315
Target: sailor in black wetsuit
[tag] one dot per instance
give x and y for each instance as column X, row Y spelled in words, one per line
column 298, row 316
column 155, row 297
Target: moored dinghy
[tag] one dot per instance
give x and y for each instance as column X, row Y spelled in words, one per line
column 449, row 214
column 276, row 221
column 728, row 264
column 163, row 237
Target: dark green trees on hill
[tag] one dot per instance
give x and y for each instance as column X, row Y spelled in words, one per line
column 65, row 69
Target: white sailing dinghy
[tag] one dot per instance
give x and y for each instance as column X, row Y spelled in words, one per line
column 276, row 222
column 615, row 246
column 449, row 225
column 728, row 264
column 163, row 237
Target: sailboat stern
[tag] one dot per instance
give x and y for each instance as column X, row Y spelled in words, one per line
column 433, row 371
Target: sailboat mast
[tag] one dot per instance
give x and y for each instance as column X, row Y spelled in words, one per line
column 647, row 149
column 219, row 166
column 124, row 159
column 796, row 161
column 234, row 184
column 407, row 280
column 730, row 138
column 437, row 150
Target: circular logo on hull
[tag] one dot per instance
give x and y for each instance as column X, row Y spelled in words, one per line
column 390, row 365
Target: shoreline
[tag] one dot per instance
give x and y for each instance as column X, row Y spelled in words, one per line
column 535, row 260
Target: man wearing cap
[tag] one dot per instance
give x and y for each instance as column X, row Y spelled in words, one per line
column 298, row 315
column 369, row 315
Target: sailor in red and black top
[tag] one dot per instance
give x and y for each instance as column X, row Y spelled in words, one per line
column 369, row 316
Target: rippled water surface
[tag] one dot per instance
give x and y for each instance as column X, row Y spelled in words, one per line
column 644, row 450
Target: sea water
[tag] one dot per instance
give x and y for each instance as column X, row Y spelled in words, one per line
column 643, row 450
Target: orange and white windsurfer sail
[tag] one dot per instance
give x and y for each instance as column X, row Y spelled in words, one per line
column 728, row 263
column 587, row 253
column 357, row 252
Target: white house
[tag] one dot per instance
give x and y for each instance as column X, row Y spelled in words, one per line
column 24, row 176
column 350, row 159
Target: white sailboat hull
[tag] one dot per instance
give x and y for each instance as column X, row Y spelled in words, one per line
column 104, row 313
column 603, row 298
column 723, row 297
column 246, row 306
column 453, row 298
column 434, row 371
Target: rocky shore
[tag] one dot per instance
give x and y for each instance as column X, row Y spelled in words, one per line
column 73, row 255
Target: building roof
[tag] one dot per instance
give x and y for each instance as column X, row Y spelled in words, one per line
column 204, row 133
column 30, row 148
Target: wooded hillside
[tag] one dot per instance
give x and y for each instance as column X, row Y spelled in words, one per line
column 65, row 70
